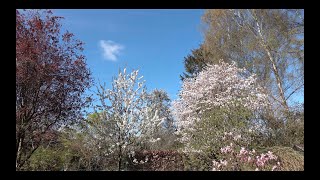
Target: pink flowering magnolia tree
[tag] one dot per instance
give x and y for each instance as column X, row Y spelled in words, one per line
column 234, row 157
column 230, row 92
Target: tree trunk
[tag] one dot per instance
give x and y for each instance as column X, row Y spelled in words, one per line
column 279, row 83
column 119, row 158
column 19, row 150
column 18, row 153
column 274, row 66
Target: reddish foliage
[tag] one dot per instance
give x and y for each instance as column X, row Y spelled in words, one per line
column 51, row 77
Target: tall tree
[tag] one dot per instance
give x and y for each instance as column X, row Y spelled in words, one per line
column 124, row 119
column 223, row 89
column 269, row 43
column 51, row 77
column 195, row 62
column 159, row 101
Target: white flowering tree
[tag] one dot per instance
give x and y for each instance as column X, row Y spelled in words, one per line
column 158, row 100
column 124, row 119
column 223, row 85
column 220, row 98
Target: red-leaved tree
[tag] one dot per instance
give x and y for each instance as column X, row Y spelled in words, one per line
column 51, row 78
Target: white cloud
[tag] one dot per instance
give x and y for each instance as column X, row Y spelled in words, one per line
column 110, row 49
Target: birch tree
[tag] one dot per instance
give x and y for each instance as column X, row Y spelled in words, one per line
column 269, row 43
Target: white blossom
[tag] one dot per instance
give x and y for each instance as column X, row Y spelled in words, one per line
column 125, row 117
column 223, row 85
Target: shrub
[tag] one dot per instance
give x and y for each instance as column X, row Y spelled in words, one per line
column 157, row 161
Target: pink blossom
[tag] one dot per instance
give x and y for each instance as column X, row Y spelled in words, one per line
column 216, row 86
column 271, row 156
column 227, row 149
column 243, row 151
column 244, row 157
column 273, row 168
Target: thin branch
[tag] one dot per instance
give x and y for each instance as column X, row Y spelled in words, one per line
column 294, row 91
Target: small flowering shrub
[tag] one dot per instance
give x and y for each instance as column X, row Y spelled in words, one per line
column 234, row 157
column 207, row 136
column 198, row 161
column 157, row 161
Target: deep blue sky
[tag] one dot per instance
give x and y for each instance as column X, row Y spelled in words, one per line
column 153, row 41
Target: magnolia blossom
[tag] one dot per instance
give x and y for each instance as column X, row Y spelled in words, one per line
column 260, row 162
column 154, row 140
column 224, row 162
column 244, row 157
column 273, row 168
column 243, row 151
column 135, row 161
column 222, row 85
column 228, row 133
column 125, row 116
column 227, row 149
column 237, row 137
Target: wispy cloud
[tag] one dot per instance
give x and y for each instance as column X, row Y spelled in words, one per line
column 110, row 49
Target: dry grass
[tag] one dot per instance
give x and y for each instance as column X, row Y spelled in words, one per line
column 290, row 159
